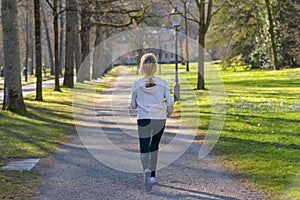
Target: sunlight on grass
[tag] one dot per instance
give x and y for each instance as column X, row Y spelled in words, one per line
column 39, row 131
column 260, row 140
column 36, row 133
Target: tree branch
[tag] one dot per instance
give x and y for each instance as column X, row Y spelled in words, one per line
column 193, row 16
column 51, row 6
column 209, row 15
column 198, row 4
column 116, row 11
column 132, row 18
column 193, row 19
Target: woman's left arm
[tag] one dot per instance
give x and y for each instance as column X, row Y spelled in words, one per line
column 133, row 104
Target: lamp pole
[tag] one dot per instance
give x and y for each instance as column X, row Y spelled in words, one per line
column 176, row 87
column 176, row 20
column 159, row 54
column 137, row 62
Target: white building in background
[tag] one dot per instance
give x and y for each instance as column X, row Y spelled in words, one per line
column 160, row 42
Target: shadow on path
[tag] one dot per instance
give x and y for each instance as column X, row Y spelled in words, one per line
column 73, row 173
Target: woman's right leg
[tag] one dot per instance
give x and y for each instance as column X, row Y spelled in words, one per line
column 158, row 127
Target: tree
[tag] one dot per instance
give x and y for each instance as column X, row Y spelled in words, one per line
column 113, row 14
column 246, row 40
column 203, row 20
column 203, row 23
column 265, row 32
column 55, row 14
column 290, row 28
column 186, row 50
column 61, row 37
column 96, row 72
column 12, row 72
column 69, row 50
column 27, row 43
column 85, row 39
column 272, row 35
column 38, row 51
column 48, row 38
column 76, row 38
column 31, row 47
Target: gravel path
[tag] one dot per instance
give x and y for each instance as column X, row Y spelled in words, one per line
column 28, row 89
column 73, row 173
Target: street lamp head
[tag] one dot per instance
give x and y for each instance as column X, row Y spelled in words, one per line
column 175, row 17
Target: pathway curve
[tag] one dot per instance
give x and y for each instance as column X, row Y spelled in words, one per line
column 73, row 173
column 28, row 89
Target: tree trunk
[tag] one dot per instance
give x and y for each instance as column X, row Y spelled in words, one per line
column 38, row 51
column 31, row 47
column 272, row 34
column 96, row 67
column 61, row 39
column 201, row 41
column 186, row 38
column 50, row 53
column 69, row 49
column 76, row 39
column 5, row 95
column 108, row 55
column 56, row 62
column 12, row 69
column 85, row 47
column 201, row 82
column 27, row 44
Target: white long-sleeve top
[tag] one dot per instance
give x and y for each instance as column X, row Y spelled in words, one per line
column 150, row 100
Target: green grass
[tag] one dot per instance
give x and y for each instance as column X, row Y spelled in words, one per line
column 18, row 184
column 260, row 140
column 34, row 134
column 37, row 133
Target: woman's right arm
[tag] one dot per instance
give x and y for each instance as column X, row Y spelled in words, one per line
column 169, row 101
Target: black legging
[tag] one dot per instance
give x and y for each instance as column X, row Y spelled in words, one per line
column 150, row 132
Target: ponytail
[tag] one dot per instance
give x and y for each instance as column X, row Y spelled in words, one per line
column 150, row 82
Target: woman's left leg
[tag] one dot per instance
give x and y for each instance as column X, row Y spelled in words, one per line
column 144, row 131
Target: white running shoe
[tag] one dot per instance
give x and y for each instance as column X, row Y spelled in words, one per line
column 147, row 176
column 152, row 180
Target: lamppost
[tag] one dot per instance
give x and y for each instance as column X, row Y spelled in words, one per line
column 159, row 53
column 137, row 61
column 176, row 20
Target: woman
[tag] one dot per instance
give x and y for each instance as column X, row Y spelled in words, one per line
column 148, row 95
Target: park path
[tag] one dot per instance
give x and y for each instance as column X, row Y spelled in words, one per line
column 73, row 173
column 30, row 88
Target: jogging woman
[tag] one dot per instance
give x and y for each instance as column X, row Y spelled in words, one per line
column 148, row 96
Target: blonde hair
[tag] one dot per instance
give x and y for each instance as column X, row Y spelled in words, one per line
column 148, row 64
column 148, row 67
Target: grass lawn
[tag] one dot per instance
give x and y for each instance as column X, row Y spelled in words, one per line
column 260, row 140
column 35, row 134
